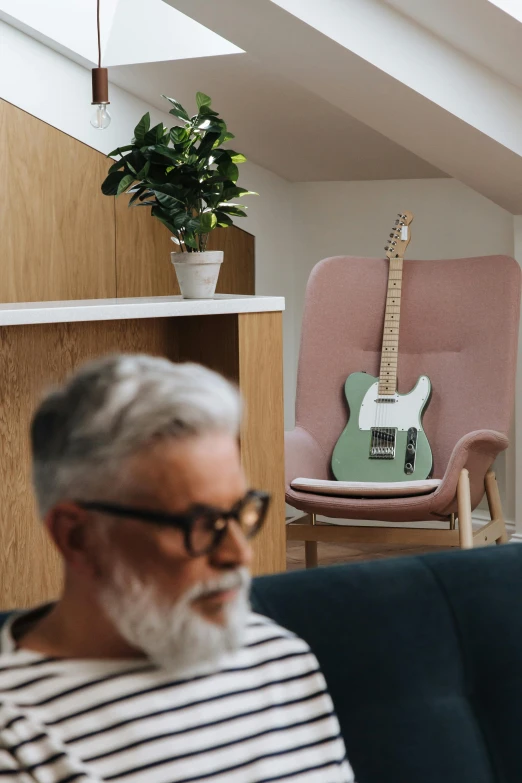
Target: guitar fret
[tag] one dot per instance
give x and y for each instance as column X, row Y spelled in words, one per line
column 390, row 339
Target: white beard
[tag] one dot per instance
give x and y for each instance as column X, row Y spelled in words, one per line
column 175, row 636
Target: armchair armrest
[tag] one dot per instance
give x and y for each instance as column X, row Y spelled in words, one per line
column 303, row 456
column 476, row 452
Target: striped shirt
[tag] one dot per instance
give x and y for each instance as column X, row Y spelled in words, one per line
column 264, row 715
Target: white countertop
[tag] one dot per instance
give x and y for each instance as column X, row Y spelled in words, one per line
column 19, row 313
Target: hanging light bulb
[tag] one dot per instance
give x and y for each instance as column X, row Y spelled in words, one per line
column 100, row 118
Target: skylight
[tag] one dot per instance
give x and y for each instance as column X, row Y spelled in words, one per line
column 128, row 34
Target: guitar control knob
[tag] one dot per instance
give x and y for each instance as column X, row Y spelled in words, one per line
column 408, row 467
column 410, row 448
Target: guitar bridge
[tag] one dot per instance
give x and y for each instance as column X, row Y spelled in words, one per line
column 382, row 443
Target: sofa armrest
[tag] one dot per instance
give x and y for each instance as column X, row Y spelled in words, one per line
column 476, row 452
column 303, row 456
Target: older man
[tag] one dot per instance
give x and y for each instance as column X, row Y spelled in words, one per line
column 151, row 668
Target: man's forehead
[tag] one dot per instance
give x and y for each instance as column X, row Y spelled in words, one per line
column 200, row 469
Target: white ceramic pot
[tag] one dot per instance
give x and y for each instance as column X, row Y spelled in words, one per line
column 197, row 273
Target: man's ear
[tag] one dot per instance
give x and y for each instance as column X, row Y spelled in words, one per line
column 73, row 532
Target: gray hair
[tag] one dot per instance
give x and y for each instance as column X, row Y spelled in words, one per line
column 111, row 408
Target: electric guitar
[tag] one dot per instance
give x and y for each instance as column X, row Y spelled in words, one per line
column 384, row 439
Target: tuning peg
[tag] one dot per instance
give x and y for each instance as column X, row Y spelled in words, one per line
column 386, row 248
column 392, row 235
column 397, row 222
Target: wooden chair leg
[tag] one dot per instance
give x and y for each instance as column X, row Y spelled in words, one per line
column 464, row 511
column 495, row 506
column 311, row 549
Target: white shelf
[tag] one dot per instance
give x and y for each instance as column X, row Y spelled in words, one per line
column 20, row 313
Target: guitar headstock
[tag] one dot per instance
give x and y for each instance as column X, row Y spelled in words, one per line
column 400, row 236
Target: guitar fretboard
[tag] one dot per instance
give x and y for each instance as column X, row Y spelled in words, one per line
column 390, row 338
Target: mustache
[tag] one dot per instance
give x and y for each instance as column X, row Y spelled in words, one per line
column 238, row 579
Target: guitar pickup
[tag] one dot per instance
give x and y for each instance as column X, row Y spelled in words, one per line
column 411, row 451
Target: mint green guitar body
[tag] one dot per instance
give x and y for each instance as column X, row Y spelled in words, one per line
column 374, row 443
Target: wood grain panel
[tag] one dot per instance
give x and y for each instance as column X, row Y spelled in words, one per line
column 29, row 568
column 143, row 248
column 57, row 238
column 211, row 340
column 238, row 271
column 262, row 433
column 247, row 349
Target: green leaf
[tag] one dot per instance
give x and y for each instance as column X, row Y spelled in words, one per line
column 169, row 202
column 120, row 150
column 136, row 195
column 228, row 169
column 206, row 110
column 158, row 213
column 207, row 221
column 227, row 137
column 141, row 128
column 206, row 145
column 145, row 170
column 223, row 220
column 116, row 166
column 235, row 192
column 180, row 220
column 178, row 134
column 190, row 240
column 177, row 110
column 126, row 182
column 212, row 124
column 236, row 157
column 166, row 152
column 202, row 100
column 155, row 135
column 170, row 188
column 111, row 182
column 194, row 225
column 232, row 209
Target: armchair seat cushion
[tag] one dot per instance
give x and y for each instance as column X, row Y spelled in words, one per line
column 366, row 489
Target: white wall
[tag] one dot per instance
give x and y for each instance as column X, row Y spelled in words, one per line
column 355, row 218
column 270, row 220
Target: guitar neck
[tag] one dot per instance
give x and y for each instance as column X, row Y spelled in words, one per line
column 390, row 338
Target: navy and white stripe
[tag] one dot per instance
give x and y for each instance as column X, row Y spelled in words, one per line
column 264, row 716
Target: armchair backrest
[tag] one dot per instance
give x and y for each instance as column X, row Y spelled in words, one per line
column 459, row 326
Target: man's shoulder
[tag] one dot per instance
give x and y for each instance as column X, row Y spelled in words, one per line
column 262, row 632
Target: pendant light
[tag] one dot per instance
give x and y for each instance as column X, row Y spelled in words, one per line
column 100, row 118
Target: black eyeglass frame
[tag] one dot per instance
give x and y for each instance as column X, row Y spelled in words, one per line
column 185, row 522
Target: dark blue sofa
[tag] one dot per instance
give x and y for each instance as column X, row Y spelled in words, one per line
column 423, row 657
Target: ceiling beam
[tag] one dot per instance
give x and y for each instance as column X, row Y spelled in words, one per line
column 387, row 71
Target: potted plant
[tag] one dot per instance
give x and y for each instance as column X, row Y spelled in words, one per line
column 189, row 182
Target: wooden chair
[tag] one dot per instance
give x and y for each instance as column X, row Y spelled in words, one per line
column 459, row 326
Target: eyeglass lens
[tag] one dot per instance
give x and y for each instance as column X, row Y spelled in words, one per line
column 206, row 528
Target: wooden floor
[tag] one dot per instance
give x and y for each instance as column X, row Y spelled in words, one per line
column 331, row 554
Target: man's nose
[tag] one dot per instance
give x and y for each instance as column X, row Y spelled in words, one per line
column 234, row 549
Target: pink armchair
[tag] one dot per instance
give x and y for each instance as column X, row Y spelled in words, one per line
column 459, row 326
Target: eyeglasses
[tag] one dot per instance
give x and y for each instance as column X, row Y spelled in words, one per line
column 203, row 527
